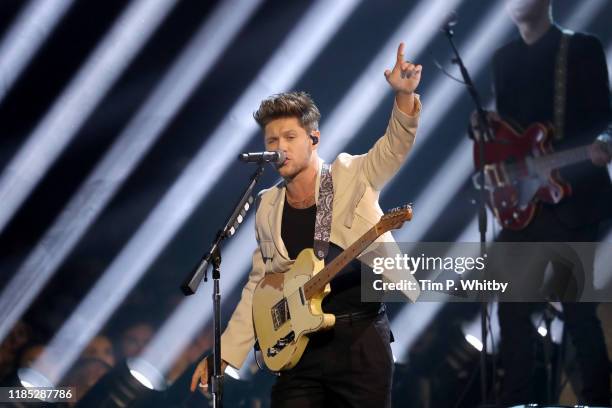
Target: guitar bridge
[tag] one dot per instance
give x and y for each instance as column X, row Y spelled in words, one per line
column 280, row 313
column 280, row 344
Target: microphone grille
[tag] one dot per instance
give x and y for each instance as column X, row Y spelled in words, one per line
column 281, row 157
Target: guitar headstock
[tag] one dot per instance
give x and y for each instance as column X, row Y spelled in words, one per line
column 394, row 218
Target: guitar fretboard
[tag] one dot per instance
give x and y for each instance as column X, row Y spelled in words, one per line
column 561, row 159
column 317, row 283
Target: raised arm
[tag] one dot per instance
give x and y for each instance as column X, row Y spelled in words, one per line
column 389, row 152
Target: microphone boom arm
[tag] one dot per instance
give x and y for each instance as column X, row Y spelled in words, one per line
column 191, row 283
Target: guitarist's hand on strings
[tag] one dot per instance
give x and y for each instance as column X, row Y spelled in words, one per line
column 475, row 125
column 404, row 79
column 203, row 371
column 600, row 151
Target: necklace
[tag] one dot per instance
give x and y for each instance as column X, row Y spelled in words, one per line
column 306, row 202
column 301, row 204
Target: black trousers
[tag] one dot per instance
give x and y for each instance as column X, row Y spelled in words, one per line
column 350, row 365
column 518, row 336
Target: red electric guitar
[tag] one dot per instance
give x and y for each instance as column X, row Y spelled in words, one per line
column 522, row 170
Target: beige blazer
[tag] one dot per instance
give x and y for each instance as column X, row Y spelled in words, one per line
column 357, row 183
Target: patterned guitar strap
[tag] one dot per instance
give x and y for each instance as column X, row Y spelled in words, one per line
column 324, row 213
column 561, row 83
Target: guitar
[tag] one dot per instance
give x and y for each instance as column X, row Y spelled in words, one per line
column 522, row 170
column 287, row 306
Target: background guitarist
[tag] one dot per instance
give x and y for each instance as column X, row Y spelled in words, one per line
column 350, row 365
column 525, row 71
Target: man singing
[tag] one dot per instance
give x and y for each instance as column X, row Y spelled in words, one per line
column 350, row 365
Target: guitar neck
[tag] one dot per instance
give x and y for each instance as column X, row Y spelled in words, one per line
column 317, row 283
column 564, row 158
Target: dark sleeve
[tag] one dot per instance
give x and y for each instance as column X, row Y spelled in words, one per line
column 591, row 109
column 498, row 83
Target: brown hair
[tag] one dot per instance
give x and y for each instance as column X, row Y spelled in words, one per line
column 289, row 104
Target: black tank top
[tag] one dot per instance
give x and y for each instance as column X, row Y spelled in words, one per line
column 297, row 232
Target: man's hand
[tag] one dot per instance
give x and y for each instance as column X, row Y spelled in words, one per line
column 405, row 76
column 200, row 375
column 404, row 79
column 475, row 123
column 599, row 152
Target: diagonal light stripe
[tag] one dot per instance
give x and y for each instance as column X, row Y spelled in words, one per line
column 193, row 64
column 104, row 66
column 583, row 13
column 32, row 27
column 286, row 65
column 602, row 273
column 62, row 122
column 609, row 62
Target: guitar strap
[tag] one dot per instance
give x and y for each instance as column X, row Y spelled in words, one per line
column 324, row 213
column 561, row 83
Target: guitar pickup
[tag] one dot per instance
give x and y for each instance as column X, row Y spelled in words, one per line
column 280, row 313
column 281, row 344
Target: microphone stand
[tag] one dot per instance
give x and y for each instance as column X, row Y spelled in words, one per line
column 483, row 124
column 213, row 256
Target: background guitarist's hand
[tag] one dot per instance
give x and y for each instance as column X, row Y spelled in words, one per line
column 203, row 371
column 491, row 116
column 599, row 153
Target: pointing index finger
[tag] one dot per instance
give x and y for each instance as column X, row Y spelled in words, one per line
column 400, row 53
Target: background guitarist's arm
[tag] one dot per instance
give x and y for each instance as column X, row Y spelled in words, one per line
column 592, row 113
column 595, row 109
column 588, row 114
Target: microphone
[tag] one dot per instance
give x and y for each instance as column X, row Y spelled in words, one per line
column 449, row 21
column 274, row 157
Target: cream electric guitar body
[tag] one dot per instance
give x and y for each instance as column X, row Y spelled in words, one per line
column 287, row 306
